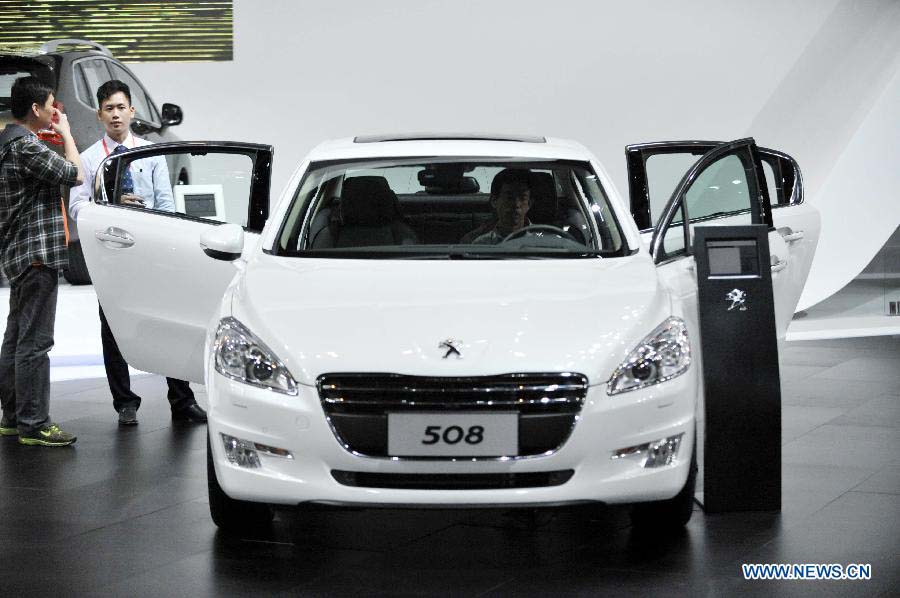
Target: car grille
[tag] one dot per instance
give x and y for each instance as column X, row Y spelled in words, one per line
column 453, row 481
column 357, row 405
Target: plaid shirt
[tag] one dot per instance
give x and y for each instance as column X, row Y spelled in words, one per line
column 31, row 220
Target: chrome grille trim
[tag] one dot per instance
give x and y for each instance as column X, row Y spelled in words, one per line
column 502, row 390
column 511, row 387
column 554, row 398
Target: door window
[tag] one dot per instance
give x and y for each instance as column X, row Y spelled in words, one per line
column 721, row 193
column 143, row 107
column 95, row 73
column 210, row 186
column 782, row 178
column 664, row 172
column 772, row 186
column 721, row 189
column 81, row 88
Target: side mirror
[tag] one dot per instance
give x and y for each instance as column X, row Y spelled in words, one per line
column 171, row 115
column 142, row 127
column 224, row 242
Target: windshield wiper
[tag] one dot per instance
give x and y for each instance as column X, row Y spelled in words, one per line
column 451, row 255
column 478, row 255
column 446, row 254
column 522, row 255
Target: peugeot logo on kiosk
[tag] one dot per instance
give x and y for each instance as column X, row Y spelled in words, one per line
column 737, row 298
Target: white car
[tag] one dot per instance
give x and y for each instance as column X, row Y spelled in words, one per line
column 378, row 339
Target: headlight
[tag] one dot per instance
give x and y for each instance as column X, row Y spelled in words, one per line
column 243, row 357
column 664, row 354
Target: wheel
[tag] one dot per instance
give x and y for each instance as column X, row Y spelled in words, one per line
column 228, row 514
column 76, row 272
column 671, row 514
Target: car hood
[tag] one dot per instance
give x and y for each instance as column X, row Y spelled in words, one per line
column 327, row 316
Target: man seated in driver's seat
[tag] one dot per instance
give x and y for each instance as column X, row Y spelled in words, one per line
column 511, row 200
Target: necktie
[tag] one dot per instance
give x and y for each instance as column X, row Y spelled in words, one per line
column 127, row 180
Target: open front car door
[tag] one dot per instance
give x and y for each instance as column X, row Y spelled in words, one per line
column 677, row 185
column 158, row 287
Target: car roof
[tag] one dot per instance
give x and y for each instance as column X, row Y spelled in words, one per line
column 452, row 144
column 55, row 47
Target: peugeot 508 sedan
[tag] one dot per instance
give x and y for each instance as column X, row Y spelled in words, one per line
column 453, row 320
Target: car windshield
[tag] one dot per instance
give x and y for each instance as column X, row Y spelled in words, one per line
column 450, row 208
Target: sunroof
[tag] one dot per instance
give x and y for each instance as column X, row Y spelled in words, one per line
column 448, row 136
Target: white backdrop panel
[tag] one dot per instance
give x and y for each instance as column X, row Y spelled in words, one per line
column 800, row 76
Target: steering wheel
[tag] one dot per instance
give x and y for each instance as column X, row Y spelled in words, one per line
column 532, row 228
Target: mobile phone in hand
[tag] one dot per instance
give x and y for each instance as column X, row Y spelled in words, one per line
column 131, row 199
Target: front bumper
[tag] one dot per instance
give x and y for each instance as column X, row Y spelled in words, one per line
column 298, row 424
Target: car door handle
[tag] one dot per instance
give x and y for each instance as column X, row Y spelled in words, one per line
column 115, row 235
column 789, row 236
column 778, row 264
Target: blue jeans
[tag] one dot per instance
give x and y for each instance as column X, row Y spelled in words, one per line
column 24, row 363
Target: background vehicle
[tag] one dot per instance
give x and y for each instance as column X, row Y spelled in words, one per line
column 75, row 69
column 325, row 347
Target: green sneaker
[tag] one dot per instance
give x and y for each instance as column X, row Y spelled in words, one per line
column 8, row 427
column 48, row 436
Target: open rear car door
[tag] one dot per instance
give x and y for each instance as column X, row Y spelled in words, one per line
column 722, row 184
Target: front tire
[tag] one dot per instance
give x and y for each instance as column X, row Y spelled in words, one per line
column 672, row 514
column 232, row 515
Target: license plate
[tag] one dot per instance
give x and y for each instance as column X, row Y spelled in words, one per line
column 453, row 434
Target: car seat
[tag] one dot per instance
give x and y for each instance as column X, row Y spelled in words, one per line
column 368, row 214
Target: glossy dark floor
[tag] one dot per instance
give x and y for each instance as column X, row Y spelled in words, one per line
column 124, row 513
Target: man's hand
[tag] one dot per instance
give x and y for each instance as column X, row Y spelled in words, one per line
column 71, row 152
column 130, row 199
column 62, row 127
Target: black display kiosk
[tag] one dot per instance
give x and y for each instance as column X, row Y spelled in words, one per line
column 742, row 438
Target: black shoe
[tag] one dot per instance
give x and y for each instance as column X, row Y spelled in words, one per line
column 128, row 416
column 194, row 414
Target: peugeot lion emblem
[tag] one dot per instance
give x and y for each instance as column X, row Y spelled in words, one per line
column 452, row 347
column 737, row 298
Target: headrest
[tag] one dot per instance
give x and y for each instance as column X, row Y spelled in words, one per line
column 367, row 201
column 544, row 201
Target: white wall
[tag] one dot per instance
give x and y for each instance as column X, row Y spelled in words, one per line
column 838, row 112
column 859, row 199
column 800, row 76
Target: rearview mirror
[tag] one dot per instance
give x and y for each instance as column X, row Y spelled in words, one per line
column 171, row 115
column 224, row 242
column 447, row 179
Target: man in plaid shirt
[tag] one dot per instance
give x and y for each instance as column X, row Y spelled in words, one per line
column 32, row 251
